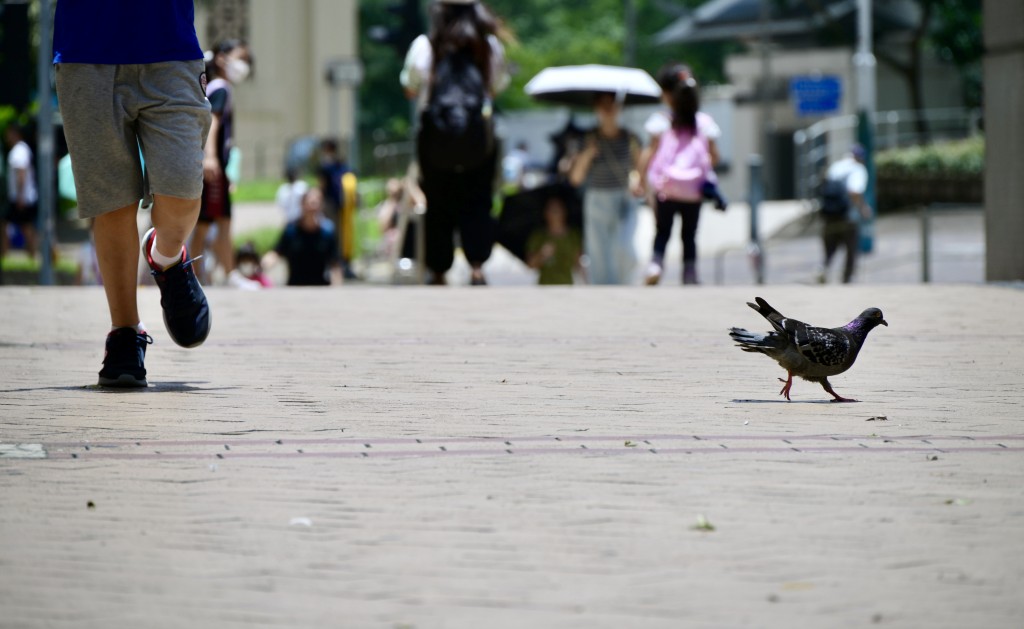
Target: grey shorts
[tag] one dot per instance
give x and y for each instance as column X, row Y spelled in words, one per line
column 111, row 112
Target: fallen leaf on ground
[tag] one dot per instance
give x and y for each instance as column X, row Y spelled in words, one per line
column 703, row 524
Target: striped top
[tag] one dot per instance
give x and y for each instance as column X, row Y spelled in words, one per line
column 614, row 159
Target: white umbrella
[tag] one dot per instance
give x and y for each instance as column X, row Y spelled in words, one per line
column 578, row 85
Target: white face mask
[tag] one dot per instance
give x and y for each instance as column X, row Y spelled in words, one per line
column 247, row 269
column 237, row 70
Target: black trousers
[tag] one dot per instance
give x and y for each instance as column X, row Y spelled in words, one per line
column 458, row 201
column 839, row 232
column 665, row 214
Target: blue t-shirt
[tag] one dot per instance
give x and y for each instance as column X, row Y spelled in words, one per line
column 119, row 32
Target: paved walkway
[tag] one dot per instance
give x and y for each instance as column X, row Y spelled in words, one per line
column 509, row 457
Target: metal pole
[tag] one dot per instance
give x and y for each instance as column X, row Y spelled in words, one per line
column 766, row 84
column 353, row 151
column 45, row 145
column 754, row 199
column 926, row 248
column 864, row 63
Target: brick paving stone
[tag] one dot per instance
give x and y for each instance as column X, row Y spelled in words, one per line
column 431, row 469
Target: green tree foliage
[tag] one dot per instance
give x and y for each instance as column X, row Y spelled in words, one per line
column 955, row 36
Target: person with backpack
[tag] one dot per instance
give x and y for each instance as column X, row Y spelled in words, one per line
column 679, row 167
column 454, row 72
column 842, row 208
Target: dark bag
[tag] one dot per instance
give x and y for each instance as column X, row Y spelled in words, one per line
column 456, row 130
column 835, row 200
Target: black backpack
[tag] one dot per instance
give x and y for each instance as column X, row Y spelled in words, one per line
column 835, row 200
column 456, row 131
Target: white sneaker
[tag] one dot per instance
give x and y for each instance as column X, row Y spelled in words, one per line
column 653, row 273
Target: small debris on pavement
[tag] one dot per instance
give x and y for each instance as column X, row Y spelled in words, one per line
column 90, row 505
column 300, row 522
column 703, row 524
column 877, row 418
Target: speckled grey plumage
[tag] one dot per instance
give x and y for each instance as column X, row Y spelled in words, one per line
column 806, row 351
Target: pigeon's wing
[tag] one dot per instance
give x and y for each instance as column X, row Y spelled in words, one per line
column 822, row 346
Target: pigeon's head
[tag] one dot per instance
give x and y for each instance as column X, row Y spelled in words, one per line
column 872, row 317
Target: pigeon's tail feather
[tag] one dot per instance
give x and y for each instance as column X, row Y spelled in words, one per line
column 751, row 341
column 763, row 308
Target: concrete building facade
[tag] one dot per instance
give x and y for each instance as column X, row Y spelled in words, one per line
column 1003, row 28
column 288, row 96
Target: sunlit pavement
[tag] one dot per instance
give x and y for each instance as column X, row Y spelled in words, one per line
column 512, row 456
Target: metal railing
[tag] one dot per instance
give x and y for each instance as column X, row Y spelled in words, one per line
column 825, row 141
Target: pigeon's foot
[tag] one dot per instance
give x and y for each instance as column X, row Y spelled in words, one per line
column 838, row 398
column 787, row 387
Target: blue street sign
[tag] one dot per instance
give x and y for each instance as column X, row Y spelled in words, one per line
column 816, row 95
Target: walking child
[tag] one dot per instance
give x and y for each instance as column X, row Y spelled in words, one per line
column 680, row 168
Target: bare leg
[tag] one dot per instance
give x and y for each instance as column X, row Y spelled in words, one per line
column 117, row 252
column 197, row 247
column 31, row 241
column 222, row 245
column 476, row 274
column 787, row 386
column 174, row 219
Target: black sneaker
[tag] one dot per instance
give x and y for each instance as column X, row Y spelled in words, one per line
column 124, row 360
column 186, row 311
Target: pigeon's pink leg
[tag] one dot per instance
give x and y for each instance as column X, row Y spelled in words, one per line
column 788, row 386
column 838, row 398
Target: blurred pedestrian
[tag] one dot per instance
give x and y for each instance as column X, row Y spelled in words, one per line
column 248, row 272
column 337, row 182
column 22, row 193
column 607, row 166
column 329, row 173
column 289, row 194
column 679, row 168
column 515, row 165
column 843, row 207
column 87, row 272
column 389, row 211
column 130, row 75
column 555, row 250
column 309, row 245
column 228, row 65
column 454, row 72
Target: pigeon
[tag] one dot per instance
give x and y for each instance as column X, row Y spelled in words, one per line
column 805, row 351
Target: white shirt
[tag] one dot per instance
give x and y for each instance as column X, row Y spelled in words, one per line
column 855, row 174
column 20, row 158
column 420, row 60
column 289, row 199
column 660, row 121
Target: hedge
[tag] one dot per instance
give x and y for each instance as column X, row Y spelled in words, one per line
column 947, row 172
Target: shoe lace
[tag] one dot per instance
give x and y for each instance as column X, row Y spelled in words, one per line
column 182, row 292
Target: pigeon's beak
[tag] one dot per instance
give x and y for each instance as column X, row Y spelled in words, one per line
column 882, row 321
